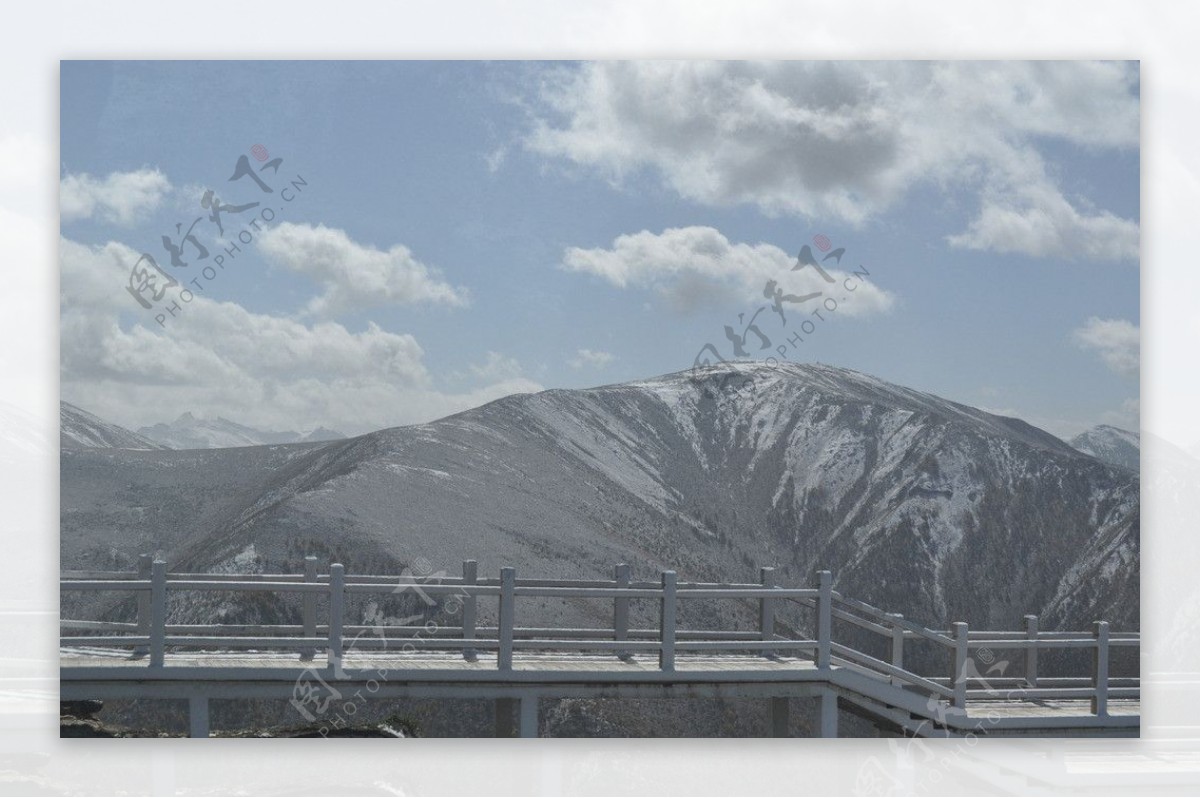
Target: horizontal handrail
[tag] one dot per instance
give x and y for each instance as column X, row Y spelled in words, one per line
column 151, row 633
column 887, row 669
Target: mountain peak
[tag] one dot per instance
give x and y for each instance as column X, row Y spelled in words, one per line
column 1112, row 445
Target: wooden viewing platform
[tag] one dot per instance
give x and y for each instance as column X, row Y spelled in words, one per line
column 517, row 666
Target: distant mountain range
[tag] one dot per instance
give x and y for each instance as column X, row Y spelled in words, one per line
column 189, row 432
column 918, row 504
column 79, row 429
column 1112, row 445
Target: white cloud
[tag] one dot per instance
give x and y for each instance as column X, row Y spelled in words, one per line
column 354, row 275
column 691, row 265
column 1043, row 223
column 849, row 140
column 1116, row 341
column 122, row 197
column 217, row 358
column 591, row 359
column 496, row 367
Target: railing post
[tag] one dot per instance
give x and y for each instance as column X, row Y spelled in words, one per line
column 1100, row 670
column 469, row 605
column 824, row 619
column 309, row 608
column 144, row 566
column 508, row 601
column 666, row 653
column 158, row 614
column 621, row 607
column 766, row 609
column 1031, row 653
column 897, row 646
column 337, row 609
column 828, row 709
column 959, row 677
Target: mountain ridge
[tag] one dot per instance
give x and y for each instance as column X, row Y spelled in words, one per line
column 922, row 505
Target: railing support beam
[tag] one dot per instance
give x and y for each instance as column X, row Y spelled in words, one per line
column 198, row 716
column 828, row 714
column 469, row 605
column 529, row 716
column 766, row 609
column 666, row 653
column 1031, row 653
column 508, row 607
column 959, row 676
column 621, row 607
column 1100, row 670
column 158, row 613
column 308, row 605
column 145, row 566
column 780, row 716
column 824, row 619
column 337, row 611
column 897, row 646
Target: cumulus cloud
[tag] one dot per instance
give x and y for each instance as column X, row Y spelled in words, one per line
column 1039, row 222
column 353, row 275
column 218, row 358
column 591, row 359
column 690, row 265
column 122, row 197
column 849, row 140
column 1116, row 341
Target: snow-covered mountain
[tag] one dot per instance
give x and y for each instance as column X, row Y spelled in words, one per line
column 1112, row 445
column 926, row 507
column 189, row 432
column 79, row 429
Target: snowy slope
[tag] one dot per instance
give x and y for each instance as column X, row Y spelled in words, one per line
column 80, row 429
column 1112, row 445
column 930, row 508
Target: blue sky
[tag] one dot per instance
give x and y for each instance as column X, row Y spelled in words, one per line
column 470, row 229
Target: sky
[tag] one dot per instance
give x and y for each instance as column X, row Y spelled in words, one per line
column 400, row 241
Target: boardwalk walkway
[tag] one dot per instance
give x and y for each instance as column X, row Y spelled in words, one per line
column 519, row 666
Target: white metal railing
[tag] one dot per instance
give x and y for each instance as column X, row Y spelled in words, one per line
column 151, row 635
